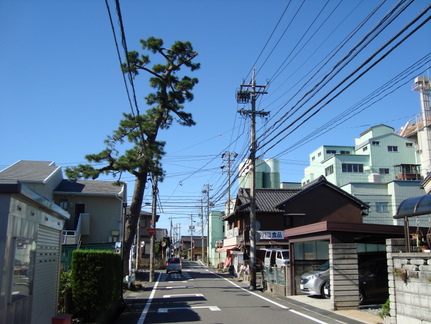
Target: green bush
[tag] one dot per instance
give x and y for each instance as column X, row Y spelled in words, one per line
column 386, row 309
column 96, row 282
column 65, row 284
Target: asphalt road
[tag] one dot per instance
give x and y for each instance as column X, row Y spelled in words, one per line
column 201, row 295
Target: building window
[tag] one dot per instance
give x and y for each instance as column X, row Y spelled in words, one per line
column 409, row 144
column 364, row 148
column 376, row 143
column 313, row 158
column 23, row 268
column 381, row 207
column 329, row 170
column 319, row 154
column 63, row 203
column 345, row 152
column 331, row 151
column 392, row 148
column 312, row 250
column 383, row 171
column 288, row 222
column 351, row 167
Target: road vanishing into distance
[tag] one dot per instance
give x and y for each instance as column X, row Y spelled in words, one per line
column 201, row 295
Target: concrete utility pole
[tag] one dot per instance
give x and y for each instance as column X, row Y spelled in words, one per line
column 207, row 191
column 191, row 237
column 228, row 157
column 244, row 95
column 153, row 225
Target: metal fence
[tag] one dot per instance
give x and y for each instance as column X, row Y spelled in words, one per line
column 274, row 275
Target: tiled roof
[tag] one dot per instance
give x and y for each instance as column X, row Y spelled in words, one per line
column 34, row 171
column 266, row 199
column 88, row 187
column 321, row 181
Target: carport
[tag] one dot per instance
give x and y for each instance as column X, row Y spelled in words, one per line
column 342, row 239
column 411, row 207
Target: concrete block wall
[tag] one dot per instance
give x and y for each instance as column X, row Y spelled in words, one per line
column 409, row 296
column 343, row 273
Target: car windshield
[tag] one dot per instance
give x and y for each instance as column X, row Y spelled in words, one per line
column 286, row 255
column 324, row 266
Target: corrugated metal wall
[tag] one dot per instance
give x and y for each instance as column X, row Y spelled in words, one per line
column 46, row 275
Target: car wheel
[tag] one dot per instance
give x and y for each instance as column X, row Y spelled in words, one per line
column 361, row 297
column 325, row 290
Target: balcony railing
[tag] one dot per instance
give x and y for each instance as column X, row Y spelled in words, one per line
column 73, row 236
column 232, row 237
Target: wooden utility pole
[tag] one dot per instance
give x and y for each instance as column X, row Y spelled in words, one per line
column 246, row 94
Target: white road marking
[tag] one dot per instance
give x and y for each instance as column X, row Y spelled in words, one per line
column 211, row 308
column 306, row 316
column 271, row 301
column 182, row 295
column 177, row 287
column 147, row 305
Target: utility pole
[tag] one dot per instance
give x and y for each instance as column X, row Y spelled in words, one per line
column 153, row 225
column 228, row 157
column 244, row 95
column 191, row 237
column 207, row 191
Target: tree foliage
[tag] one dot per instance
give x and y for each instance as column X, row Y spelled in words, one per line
column 141, row 130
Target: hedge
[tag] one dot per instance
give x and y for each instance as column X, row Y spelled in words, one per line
column 96, row 282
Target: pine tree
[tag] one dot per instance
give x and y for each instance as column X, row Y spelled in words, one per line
column 166, row 106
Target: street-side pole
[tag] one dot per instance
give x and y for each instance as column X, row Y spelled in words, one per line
column 252, row 190
column 244, row 96
column 191, row 237
column 153, row 225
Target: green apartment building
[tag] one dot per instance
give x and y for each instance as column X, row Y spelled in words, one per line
column 381, row 169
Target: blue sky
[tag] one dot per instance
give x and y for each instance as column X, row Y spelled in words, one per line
column 62, row 92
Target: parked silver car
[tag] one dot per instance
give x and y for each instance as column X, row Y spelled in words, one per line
column 313, row 282
column 174, row 265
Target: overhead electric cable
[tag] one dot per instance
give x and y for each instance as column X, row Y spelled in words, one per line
column 269, row 38
column 387, row 88
column 360, row 75
column 322, row 65
column 334, row 71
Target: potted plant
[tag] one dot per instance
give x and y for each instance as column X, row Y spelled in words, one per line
column 400, row 273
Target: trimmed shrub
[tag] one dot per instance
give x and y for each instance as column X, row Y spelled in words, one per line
column 96, row 282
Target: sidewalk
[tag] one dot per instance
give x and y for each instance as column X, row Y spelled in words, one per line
column 360, row 315
column 136, row 300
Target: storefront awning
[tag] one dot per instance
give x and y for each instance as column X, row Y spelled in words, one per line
column 226, row 248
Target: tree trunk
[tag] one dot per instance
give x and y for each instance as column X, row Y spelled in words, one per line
column 132, row 218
